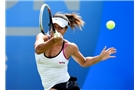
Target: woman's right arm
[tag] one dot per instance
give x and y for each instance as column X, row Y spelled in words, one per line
column 41, row 45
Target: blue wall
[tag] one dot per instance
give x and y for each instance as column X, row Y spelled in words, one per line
column 112, row 74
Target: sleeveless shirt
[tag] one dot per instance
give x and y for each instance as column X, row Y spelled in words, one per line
column 52, row 70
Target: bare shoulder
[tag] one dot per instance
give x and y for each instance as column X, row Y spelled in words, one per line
column 40, row 35
column 71, row 44
column 72, row 47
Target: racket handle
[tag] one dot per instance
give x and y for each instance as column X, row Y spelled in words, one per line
column 57, row 34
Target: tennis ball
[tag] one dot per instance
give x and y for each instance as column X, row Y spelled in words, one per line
column 110, row 24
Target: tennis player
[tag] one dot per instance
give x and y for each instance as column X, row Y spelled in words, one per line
column 52, row 54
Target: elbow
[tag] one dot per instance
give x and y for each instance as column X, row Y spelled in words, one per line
column 37, row 51
column 84, row 65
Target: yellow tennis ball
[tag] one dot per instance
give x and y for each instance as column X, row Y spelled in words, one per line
column 110, row 24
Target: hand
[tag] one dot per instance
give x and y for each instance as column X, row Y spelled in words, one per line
column 106, row 54
column 57, row 36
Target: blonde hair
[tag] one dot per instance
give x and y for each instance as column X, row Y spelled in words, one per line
column 74, row 20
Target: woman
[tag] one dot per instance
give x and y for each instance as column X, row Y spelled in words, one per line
column 52, row 54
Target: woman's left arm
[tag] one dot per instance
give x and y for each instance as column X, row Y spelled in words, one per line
column 88, row 61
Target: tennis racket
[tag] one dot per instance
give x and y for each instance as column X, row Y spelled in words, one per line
column 45, row 20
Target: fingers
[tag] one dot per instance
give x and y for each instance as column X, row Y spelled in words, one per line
column 57, row 34
column 112, row 48
column 114, row 51
column 104, row 48
column 57, row 37
column 112, row 57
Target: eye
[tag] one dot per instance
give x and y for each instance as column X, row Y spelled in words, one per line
column 57, row 27
column 60, row 28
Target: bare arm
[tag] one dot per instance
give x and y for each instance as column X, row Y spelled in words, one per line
column 88, row 61
column 41, row 45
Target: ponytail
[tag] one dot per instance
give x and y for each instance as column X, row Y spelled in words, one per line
column 74, row 20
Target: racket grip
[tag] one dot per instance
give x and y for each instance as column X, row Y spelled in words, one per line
column 57, row 34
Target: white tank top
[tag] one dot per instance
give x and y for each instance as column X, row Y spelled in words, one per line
column 52, row 70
